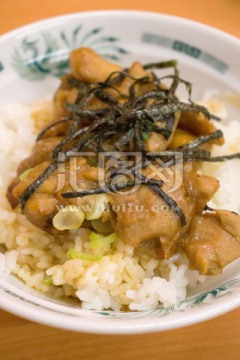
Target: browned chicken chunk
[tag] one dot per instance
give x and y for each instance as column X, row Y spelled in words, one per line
column 41, row 152
column 213, row 241
column 143, row 216
column 88, row 66
column 198, row 124
column 44, row 203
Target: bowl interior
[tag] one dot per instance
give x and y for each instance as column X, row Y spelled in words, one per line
column 33, row 59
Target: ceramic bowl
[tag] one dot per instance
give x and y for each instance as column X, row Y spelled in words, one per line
column 32, row 60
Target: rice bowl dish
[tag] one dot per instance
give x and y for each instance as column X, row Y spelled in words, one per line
column 122, row 279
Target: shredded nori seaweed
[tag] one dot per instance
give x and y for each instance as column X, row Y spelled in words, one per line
column 128, row 121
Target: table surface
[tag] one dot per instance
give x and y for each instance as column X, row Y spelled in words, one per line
column 215, row 339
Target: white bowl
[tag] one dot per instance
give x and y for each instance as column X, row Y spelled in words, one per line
column 207, row 57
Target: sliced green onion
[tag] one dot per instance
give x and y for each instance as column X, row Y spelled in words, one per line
column 145, row 135
column 74, row 254
column 110, row 238
column 48, row 280
column 68, row 218
column 98, row 207
column 102, row 227
column 100, row 242
column 95, row 237
column 96, row 245
column 25, row 174
column 96, row 241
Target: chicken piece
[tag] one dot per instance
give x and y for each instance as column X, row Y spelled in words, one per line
column 42, row 205
column 156, row 142
column 136, row 71
column 60, row 100
column 201, row 189
column 43, row 115
column 213, row 241
column 46, row 200
column 57, row 130
column 181, row 137
column 198, row 124
column 41, row 152
column 66, row 82
column 40, row 210
column 230, row 222
column 49, row 186
column 13, row 201
column 90, row 67
column 143, row 217
column 62, row 97
column 65, row 93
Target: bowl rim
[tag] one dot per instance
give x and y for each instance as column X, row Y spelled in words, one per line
column 96, row 325
column 118, row 326
column 196, row 24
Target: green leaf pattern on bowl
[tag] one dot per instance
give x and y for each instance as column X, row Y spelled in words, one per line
column 194, row 301
column 202, row 299
column 49, row 55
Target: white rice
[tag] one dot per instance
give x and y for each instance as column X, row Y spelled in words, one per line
column 116, row 281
